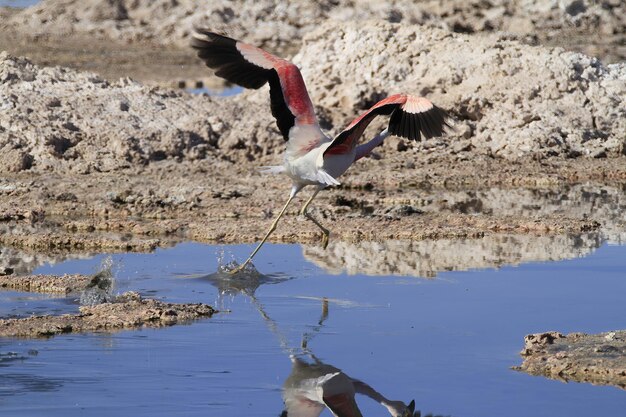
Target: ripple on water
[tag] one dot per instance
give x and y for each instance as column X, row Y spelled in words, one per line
column 447, row 343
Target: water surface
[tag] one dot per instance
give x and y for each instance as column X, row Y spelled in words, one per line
column 446, row 342
column 18, row 3
column 216, row 92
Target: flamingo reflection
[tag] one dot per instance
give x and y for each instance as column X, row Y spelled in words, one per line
column 312, row 385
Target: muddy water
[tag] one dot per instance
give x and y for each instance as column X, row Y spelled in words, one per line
column 446, row 342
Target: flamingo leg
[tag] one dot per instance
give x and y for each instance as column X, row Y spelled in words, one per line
column 267, row 235
column 304, row 212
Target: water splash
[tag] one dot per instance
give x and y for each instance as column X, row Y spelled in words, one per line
column 229, row 267
column 100, row 288
column 226, row 266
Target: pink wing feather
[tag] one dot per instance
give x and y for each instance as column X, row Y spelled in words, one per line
column 251, row 67
column 410, row 115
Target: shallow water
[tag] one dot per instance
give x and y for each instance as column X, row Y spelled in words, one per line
column 221, row 92
column 18, row 3
column 446, row 342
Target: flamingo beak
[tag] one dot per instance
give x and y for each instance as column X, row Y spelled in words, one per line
column 410, row 409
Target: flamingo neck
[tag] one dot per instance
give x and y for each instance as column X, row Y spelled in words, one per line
column 366, row 148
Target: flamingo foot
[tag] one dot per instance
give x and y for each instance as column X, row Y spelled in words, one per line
column 241, row 268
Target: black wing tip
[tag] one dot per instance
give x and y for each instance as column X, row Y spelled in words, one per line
column 219, row 52
column 285, row 120
column 431, row 123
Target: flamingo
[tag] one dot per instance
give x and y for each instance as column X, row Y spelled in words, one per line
column 314, row 385
column 311, row 157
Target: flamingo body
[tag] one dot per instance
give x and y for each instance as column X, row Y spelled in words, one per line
column 311, row 157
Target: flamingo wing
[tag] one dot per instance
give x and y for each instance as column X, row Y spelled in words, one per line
column 410, row 115
column 342, row 405
column 252, row 67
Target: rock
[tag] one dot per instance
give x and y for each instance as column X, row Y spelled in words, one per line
column 534, row 343
column 14, row 160
column 598, row 359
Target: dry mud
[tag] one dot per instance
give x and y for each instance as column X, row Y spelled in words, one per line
column 595, row 27
column 462, row 225
column 535, row 102
column 507, row 99
column 129, row 310
column 57, row 119
column 597, row 359
column 145, row 62
column 88, row 164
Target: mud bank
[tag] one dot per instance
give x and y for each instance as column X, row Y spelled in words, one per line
column 128, row 311
column 594, row 27
column 597, row 359
column 80, row 154
column 65, row 284
column 72, row 241
column 379, row 200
